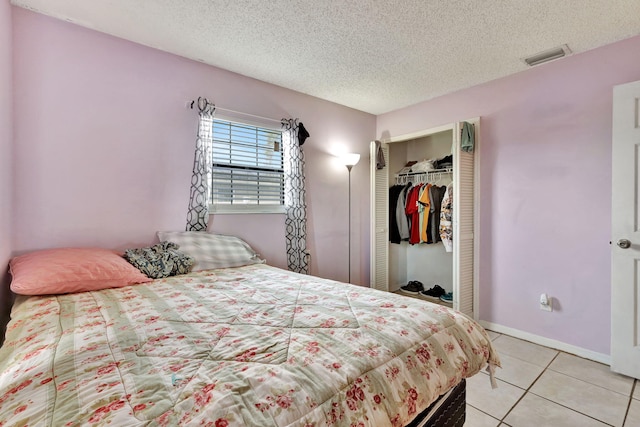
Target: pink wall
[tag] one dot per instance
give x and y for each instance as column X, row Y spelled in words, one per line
column 104, row 147
column 6, row 137
column 545, row 208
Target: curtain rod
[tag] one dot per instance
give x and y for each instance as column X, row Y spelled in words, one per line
column 240, row 112
column 247, row 114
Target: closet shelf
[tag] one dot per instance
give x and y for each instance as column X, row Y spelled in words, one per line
column 422, row 177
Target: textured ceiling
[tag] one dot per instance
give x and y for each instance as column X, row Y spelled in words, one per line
column 371, row 55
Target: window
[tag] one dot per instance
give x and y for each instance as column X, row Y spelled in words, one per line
column 248, row 173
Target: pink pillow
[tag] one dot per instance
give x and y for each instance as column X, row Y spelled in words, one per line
column 67, row 270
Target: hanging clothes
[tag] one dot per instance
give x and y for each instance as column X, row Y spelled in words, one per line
column 467, row 137
column 425, row 209
column 446, row 222
column 394, row 232
column 436, row 194
column 380, row 162
column 401, row 216
column 412, row 212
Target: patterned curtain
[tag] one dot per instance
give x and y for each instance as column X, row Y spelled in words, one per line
column 293, row 137
column 198, row 212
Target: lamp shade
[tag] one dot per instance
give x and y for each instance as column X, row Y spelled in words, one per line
column 350, row 159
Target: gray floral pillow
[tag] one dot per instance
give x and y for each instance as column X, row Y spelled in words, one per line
column 161, row 260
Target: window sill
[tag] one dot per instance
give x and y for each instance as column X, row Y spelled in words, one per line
column 246, row 209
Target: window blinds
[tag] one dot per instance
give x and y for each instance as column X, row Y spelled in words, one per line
column 247, row 165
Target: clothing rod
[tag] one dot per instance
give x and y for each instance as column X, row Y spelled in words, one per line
column 422, row 177
column 242, row 113
column 434, row 171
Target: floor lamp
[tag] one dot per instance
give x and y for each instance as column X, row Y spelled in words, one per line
column 350, row 160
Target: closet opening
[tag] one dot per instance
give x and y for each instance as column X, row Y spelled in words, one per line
column 440, row 161
column 416, row 250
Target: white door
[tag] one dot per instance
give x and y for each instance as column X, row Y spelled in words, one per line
column 625, row 231
column 379, row 272
column 464, row 222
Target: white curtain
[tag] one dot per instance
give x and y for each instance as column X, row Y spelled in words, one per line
column 294, row 196
column 200, row 197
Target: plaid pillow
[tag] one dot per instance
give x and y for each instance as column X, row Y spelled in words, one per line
column 161, row 260
column 212, row 250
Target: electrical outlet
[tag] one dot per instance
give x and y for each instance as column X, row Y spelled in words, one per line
column 545, row 302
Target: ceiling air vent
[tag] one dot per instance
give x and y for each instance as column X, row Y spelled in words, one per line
column 548, row 55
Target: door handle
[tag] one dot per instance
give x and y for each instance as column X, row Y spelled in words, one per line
column 624, row 243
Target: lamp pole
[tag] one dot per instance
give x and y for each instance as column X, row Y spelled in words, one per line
column 349, row 167
column 350, row 160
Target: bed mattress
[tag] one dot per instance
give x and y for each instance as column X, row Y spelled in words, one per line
column 248, row 346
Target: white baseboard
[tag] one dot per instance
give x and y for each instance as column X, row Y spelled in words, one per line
column 548, row 342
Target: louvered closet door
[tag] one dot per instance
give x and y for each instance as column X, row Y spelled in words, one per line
column 463, row 223
column 379, row 221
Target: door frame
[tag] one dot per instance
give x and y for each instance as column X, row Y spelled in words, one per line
column 476, row 194
column 625, row 326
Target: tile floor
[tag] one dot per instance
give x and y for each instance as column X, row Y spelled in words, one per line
column 541, row 387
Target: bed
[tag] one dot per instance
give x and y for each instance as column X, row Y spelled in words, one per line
column 245, row 346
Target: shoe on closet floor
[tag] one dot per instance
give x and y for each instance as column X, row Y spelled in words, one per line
column 434, row 293
column 448, row 297
column 413, row 287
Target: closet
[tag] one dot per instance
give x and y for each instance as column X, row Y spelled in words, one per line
column 393, row 264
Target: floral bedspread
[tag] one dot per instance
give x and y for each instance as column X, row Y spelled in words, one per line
column 248, row 346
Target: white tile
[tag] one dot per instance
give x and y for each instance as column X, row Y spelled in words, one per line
column 594, row 401
column 592, row 372
column 524, row 350
column 534, row 411
column 495, row 402
column 492, row 335
column 476, row 418
column 517, row 372
column 633, row 417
